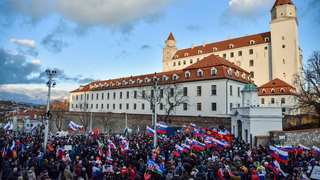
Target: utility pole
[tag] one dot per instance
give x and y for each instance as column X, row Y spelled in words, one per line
column 155, row 112
column 48, row 115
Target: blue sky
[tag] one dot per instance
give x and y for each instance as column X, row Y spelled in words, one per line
column 104, row 39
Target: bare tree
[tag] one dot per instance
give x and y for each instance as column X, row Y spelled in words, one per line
column 84, row 115
column 59, row 110
column 104, row 118
column 169, row 97
column 308, row 85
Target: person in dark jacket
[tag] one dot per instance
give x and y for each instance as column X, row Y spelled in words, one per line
column 98, row 175
column 7, row 169
column 14, row 174
column 54, row 172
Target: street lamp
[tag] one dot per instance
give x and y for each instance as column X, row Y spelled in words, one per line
column 48, row 116
column 155, row 113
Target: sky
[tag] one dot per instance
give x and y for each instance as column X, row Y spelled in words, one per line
column 86, row 41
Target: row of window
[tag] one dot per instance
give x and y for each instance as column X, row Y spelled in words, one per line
column 161, row 106
column 272, row 91
column 272, row 101
column 143, row 93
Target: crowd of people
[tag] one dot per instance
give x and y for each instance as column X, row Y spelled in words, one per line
column 23, row 157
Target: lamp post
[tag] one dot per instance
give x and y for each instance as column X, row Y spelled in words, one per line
column 155, row 113
column 48, row 116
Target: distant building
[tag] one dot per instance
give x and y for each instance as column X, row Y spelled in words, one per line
column 269, row 55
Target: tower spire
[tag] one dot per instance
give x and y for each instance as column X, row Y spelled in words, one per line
column 282, row 2
column 171, row 37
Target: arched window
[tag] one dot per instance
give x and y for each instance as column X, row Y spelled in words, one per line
column 231, row 46
column 199, row 73
column 187, row 75
column 199, row 52
column 213, row 71
column 229, row 71
column 263, row 91
column 282, row 90
column 273, row 91
column 215, row 49
column 252, row 42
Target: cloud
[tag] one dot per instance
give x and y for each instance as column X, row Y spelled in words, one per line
column 122, row 55
column 145, row 47
column 312, row 8
column 194, row 28
column 240, row 10
column 23, row 42
column 35, row 95
column 18, row 69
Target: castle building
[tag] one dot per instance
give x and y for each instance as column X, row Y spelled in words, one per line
column 265, row 55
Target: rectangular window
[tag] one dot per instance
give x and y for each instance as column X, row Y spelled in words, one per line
column 185, row 91
column 91, row 106
column 272, row 100
column 239, row 92
column 134, row 106
column 114, row 95
column 120, row 95
column 120, row 106
column 239, row 53
column 246, row 134
column 161, row 106
column 80, row 106
column 135, row 94
column 224, row 55
column 185, row 106
column 283, row 46
column 230, row 90
column 191, row 61
column 161, row 93
column 179, row 63
column 71, row 107
column 87, row 96
column 127, row 105
column 81, row 97
column 213, row 72
column 128, row 94
column 213, row 89
column 250, row 51
column 283, row 100
column 174, row 63
column 102, row 95
column 72, row 97
column 171, row 92
column 142, row 106
column 97, row 106
column 200, row 74
column 143, row 94
column 91, row 96
column 213, row 106
column 184, row 62
column 97, row 96
column 199, row 106
column 77, row 98
column 101, row 106
column 108, row 96
column 198, row 90
column 230, row 106
column 232, row 54
column 107, row 106
column 252, row 74
column 283, row 110
column 114, row 106
column 262, row 100
column 152, row 93
column 251, row 63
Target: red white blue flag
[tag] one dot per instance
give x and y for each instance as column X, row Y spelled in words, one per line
column 303, row 148
column 217, row 144
column 149, row 131
column 288, row 149
column 81, row 128
column 72, row 126
column 161, row 128
column 186, row 148
column 279, row 155
column 192, row 126
column 315, row 150
column 177, row 150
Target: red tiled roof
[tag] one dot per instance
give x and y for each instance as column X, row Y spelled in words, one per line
column 171, row 37
column 281, row 2
column 224, row 45
column 277, row 85
column 206, row 64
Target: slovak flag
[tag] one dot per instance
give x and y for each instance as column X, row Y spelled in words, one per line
column 123, row 144
column 109, row 160
column 186, row 148
column 72, row 126
column 303, row 177
column 303, row 148
column 208, row 143
column 192, row 126
column 188, row 142
column 275, row 167
column 217, row 144
column 226, row 131
column 81, row 128
column 149, row 131
column 178, row 150
column 111, row 145
column 121, row 138
column 100, row 148
column 33, row 128
column 279, row 155
column 199, row 146
column 179, row 132
column 60, row 152
column 315, row 150
column 226, row 143
column 159, row 138
column 7, row 126
column 197, row 133
column 161, row 128
column 52, row 135
column 288, row 149
column 215, row 130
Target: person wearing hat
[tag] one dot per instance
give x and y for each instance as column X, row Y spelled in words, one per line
column 67, row 173
column 14, row 174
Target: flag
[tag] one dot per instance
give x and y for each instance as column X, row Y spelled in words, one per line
column 186, row 148
column 288, row 149
column 279, row 155
column 13, row 146
column 4, row 152
column 313, row 161
column 161, row 128
column 303, row 148
column 226, row 131
column 303, row 177
column 33, row 128
column 192, row 126
column 198, row 145
column 275, row 167
column 215, row 130
column 226, row 143
column 111, row 145
column 178, row 150
column 196, row 133
column 149, row 131
column 121, row 138
column 217, row 144
column 72, row 126
column 155, row 167
column 188, row 142
column 126, row 148
column 8, row 133
column 69, row 139
column 52, row 135
column 137, row 131
column 60, row 152
column 186, row 131
column 315, row 150
column 209, row 133
column 159, row 138
column 80, row 128
column 123, row 144
column 208, row 143
column 179, row 132
column 109, row 160
column 7, row 126
column 110, row 129
column 96, row 133
column 99, row 148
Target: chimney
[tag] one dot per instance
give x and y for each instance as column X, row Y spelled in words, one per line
column 229, row 37
column 203, row 43
column 192, row 46
column 213, row 41
column 246, row 34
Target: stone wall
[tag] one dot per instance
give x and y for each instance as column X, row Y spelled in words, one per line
column 117, row 121
column 308, row 137
column 262, row 140
column 293, row 121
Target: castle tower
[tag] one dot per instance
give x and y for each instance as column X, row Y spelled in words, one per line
column 168, row 52
column 250, row 96
column 284, row 41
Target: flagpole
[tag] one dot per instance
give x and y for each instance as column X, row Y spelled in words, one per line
column 155, row 113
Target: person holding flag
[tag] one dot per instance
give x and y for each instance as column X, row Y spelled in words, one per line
column 33, row 128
